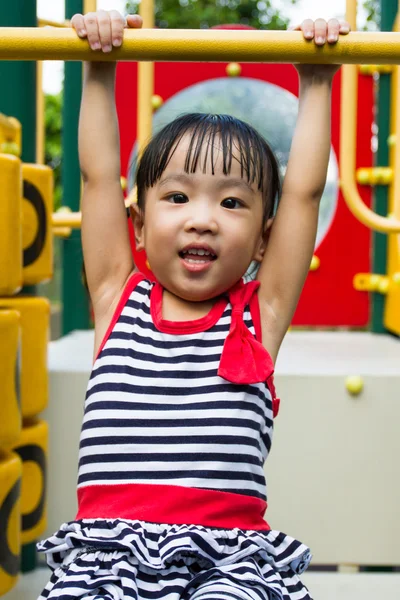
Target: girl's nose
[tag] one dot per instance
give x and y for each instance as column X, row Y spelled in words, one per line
column 202, row 220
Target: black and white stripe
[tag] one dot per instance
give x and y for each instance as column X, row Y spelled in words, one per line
column 157, row 412
column 119, row 560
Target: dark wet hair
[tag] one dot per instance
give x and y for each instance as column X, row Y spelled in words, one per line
column 257, row 160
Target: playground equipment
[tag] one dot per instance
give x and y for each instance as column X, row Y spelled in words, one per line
column 187, row 45
column 28, row 225
column 265, row 42
column 26, row 258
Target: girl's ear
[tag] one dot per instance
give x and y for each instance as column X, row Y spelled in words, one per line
column 263, row 243
column 138, row 223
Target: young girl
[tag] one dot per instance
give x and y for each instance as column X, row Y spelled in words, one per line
column 180, row 403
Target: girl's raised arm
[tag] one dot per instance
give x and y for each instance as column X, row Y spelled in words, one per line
column 290, row 247
column 105, row 236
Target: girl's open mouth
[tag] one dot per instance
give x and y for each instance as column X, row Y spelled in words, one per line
column 197, row 261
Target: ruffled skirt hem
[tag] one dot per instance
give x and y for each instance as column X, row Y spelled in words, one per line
column 83, row 554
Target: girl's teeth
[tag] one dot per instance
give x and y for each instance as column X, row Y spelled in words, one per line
column 192, row 260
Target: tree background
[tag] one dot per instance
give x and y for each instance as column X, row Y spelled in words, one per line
column 261, row 14
column 202, row 14
column 185, row 14
column 373, row 8
column 53, row 150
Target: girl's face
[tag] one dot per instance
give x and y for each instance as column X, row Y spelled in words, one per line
column 220, row 213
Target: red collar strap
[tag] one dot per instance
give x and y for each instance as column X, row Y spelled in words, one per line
column 244, row 359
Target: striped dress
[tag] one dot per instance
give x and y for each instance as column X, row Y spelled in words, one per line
column 171, row 486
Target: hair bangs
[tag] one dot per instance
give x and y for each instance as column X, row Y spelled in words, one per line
column 238, row 140
column 236, row 145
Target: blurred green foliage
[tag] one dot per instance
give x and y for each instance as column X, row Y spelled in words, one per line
column 202, row 14
column 264, row 14
column 53, row 149
column 373, row 9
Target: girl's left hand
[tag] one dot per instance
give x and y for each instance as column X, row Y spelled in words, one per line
column 321, row 31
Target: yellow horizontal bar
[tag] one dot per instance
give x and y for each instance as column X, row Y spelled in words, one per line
column 62, row 232
column 372, row 69
column 202, row 45
column 67, row 219
column 48, row 23
column 369, row 282
column 375, row 176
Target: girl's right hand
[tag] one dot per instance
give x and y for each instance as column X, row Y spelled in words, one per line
column 104, row 29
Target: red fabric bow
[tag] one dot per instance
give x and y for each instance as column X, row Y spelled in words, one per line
column 244, row 359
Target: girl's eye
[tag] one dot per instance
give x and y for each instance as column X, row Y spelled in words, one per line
column 231, row 202
column 180, row 198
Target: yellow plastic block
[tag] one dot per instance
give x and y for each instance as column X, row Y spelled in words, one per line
column 37, row 209
column 10, row 411
column 32, row 449
column 35, row 324
column 10, row 519
column 10, row 225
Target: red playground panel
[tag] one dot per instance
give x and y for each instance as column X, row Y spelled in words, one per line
column 328, row 298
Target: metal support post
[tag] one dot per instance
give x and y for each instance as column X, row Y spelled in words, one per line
column 74, row 298
column 388, row 15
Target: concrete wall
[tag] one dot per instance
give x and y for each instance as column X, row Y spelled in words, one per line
column 333, row 475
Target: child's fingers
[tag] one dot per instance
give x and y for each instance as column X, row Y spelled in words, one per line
column 92, row 30
column 105, row 31
column 117, row 27
column 333, row 30
column 78, row 23
column 307, row 27
column 320, row 26
column 134, row 21
column 344, row 28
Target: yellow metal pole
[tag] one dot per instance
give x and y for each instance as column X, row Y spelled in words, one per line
column 348, row 139
column 62, row 232
column 89, row 6
column 145, row 83
column 145, row 93
column 67, row 219
column 57, row 43
column 351, row 13
column 392, row 304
